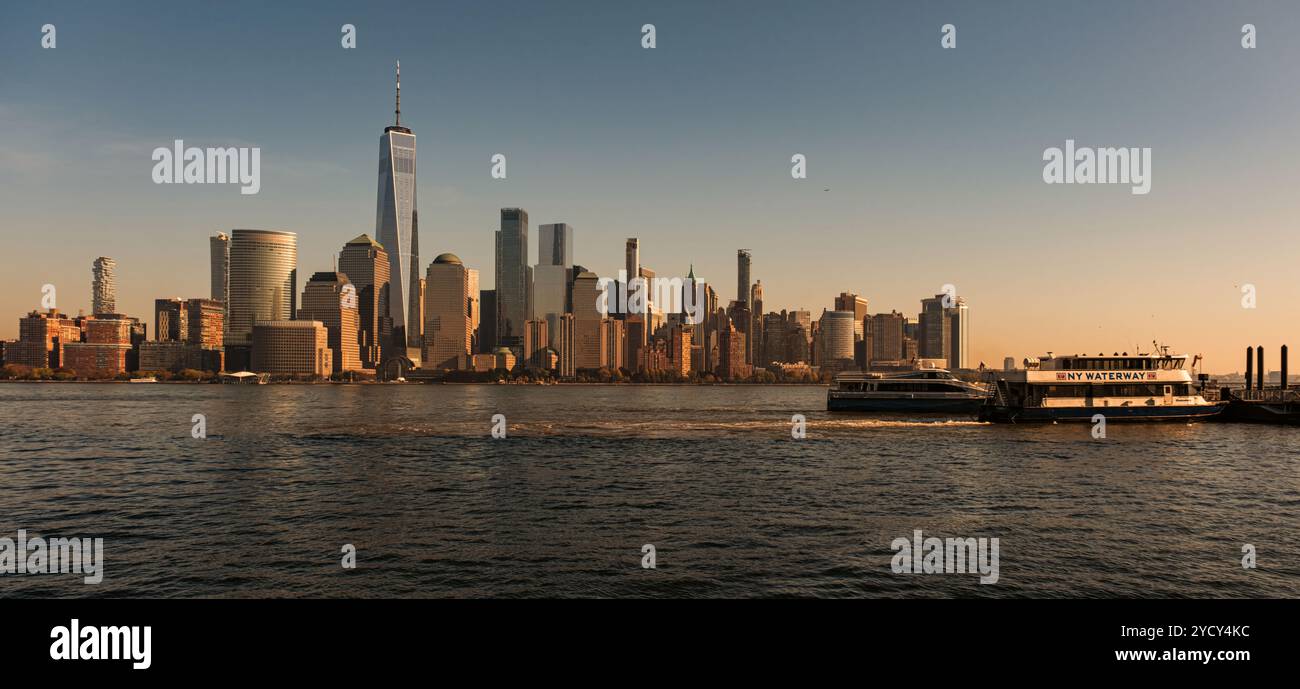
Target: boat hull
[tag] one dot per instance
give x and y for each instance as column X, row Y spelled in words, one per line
column 937, row 406
column 1192, row 412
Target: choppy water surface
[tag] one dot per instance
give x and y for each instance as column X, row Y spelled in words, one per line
column 588, row 474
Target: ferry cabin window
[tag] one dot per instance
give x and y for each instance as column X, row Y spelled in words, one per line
column 1180, row 390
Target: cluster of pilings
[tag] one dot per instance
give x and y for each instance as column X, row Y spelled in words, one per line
column 1255, row 357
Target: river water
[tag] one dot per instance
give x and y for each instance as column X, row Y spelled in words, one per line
column 711, row 477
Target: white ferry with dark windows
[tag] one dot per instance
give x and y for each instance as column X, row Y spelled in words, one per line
column 1120, row 387
column 925, row 391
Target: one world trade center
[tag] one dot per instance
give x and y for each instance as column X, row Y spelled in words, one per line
column 397, row 227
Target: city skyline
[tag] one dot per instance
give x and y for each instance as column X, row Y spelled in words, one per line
column 1027, row 255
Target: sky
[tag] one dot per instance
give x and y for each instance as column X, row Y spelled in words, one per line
column 924, row 165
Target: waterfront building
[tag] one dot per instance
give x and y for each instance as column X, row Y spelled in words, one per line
column 41, row 338
column 566, row 346
column 505, row 359
column 327, row 299
column 263, row 281
column 299, row 348
column 754, row 340
column 368, row 267
column 397, row 228
column 104, row 286
column 836, row 328
column 171, row 356
column 103, row 353
column 448, row 326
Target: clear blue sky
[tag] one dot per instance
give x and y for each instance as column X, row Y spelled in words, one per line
column 932, row 157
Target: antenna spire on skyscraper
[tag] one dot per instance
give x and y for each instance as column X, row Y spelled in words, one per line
column 398, row 111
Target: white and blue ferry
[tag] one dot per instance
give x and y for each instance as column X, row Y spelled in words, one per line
column 1120, row 387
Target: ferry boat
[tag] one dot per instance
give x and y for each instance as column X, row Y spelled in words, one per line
column 929, row 390
column 1121, row 387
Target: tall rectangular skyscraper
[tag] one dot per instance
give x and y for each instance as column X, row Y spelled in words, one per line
column 366, row 264
column 959, row 326
column 397, row 229
column 551, row 276
column 742, row 276
column 555, row 245
column 934, row 338
column 514, row 277
column 219, row 251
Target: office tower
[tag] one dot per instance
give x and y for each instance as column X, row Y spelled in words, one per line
column 263, row 281
column 934, row 338
column 632, row 258
column 586, row 322
column 754, row 340
column 555, row 245
column 514, row 277
column 776, row 335
column 475, row 309
column 219, row 257
column 1009, row 364
column 635, row 351
column 615, row 342
column 679, row 350
column 104, row 286
column 836, row 328
column 566, row 346
column 299, row 348
column 958, row 317
column 170, row 321
column 448, row 331
column 487, row 328
column 552, row 275
column 731, row 358
column 367, row 266
column 742, row 276
column 536, row 345
column 886, row 336
column 397, row 227
column 205, row 320
column 326, row 298
column 419, row 302
column 799, row 336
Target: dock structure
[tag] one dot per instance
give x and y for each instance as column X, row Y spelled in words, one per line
column 1257, row 402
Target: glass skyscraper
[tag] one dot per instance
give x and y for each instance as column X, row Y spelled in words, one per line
column 397, row 228
column 514, row 277
column 552, row 275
